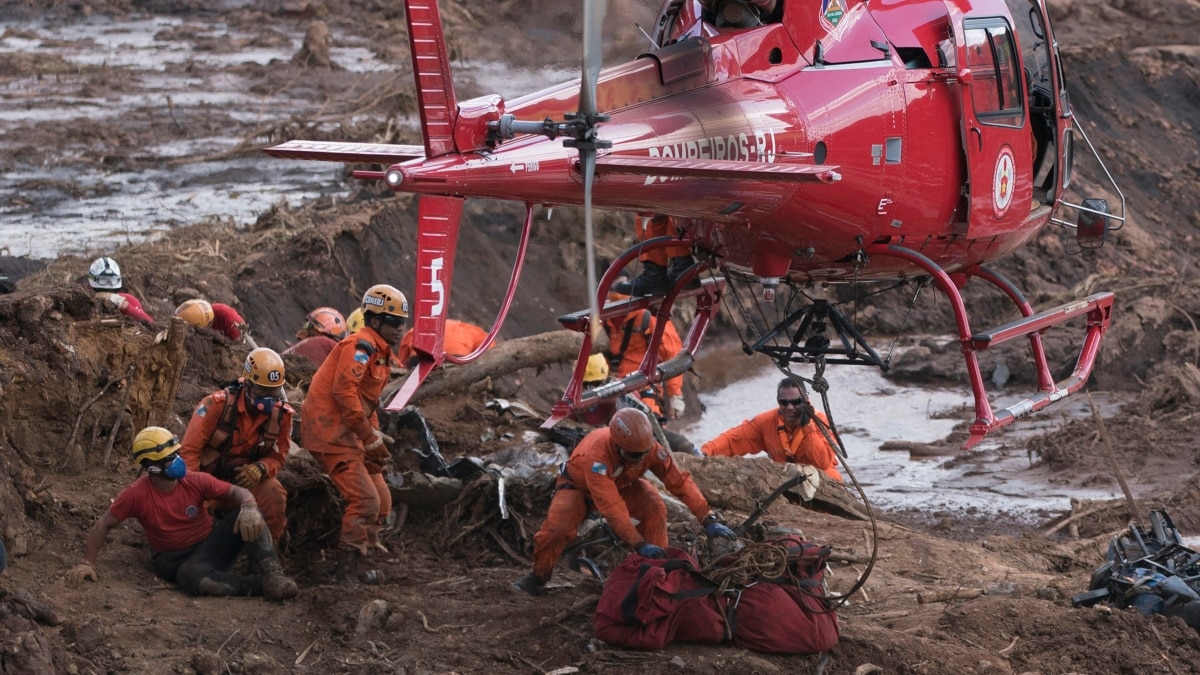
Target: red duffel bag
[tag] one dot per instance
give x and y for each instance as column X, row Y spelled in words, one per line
column 648, row 603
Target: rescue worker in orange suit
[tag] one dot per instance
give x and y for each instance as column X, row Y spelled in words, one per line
column 186, row 545
column 599, row 413
column 104, row 276
column 661, row 268
column 605, row 471
column 323, row 328
column 788, row 434
column 459, row 339
column 242, row 434
column 628, row 339
column 340, row 427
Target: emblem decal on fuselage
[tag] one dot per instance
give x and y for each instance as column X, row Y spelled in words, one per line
column 1003, row 182
column 832, row 12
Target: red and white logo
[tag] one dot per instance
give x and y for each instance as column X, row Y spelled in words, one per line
column 1003, row 182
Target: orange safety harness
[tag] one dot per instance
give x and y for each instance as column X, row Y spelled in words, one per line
column 213, row 458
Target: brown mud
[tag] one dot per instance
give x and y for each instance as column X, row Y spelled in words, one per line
column 69, row 399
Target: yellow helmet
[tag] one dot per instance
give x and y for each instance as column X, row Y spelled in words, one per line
column 153, row 444
column 354, row 322
column 384, row 299
column 597, row 369
column 197, row 312
column 264, row 367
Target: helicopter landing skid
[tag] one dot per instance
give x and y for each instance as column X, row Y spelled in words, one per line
column 1096, row 307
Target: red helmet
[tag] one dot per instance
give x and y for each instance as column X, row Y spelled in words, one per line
column 631, row 431
column 328, row 321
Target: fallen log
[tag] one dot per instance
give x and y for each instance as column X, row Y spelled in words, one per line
column 534, row 351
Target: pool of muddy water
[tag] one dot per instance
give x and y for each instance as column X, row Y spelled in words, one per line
column 995, row 478
column 72, row 203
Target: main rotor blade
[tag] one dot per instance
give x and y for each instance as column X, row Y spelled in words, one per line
column 593, row 23
column 587, row 161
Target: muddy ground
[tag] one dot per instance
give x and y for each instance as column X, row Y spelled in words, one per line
column 446, row 606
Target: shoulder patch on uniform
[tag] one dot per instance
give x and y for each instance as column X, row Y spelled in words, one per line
column 202, row 410
column 662, row 454
column 362, row 357
column 600, row 468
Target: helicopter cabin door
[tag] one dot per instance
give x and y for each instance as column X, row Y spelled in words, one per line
column 996, row 139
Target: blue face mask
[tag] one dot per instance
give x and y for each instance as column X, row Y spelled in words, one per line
column 263, row 404
column 174, row 470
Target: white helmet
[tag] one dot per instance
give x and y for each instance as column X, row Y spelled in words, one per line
column 105, row 274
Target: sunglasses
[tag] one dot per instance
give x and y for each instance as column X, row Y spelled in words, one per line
column 794, row 402
column 632, row 456
column 392, row 320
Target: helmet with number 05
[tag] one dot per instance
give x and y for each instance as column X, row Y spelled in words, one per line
column 153, row 444
column 197, row 312
column 105, row 274
column 328, row 321
column 385, row 299
column 630, row 430
column 264, row 367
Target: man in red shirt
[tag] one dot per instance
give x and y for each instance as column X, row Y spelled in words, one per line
column 323, row 328
column 104, row 276
column 242, row 434
column 788, row 434
column 605, row 471
column 185, row 546
column 226, row 320
column 628, row 339
column 339, row 425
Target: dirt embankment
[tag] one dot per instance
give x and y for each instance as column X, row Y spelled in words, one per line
column 68, row 403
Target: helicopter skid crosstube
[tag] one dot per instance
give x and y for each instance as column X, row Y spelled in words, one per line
column 1097, row 308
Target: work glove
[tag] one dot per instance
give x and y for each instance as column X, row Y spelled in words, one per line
column 377, row 449
column 715, row 528
column 81, row 573
column 648, row 550
column 678, row 407
column 812, row 480
column 250, row 523
column 249, row 475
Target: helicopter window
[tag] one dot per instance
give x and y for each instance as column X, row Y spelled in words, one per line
column 996, row 81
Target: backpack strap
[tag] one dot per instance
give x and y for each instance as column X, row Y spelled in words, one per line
column 614, row 359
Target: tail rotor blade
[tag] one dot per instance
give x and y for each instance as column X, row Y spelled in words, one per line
column 593, row 22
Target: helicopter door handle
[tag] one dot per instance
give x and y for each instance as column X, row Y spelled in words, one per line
column 978, row 136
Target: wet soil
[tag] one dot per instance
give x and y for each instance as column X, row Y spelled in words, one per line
column 67, row 405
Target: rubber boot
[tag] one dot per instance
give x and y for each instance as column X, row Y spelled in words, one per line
column 345, row 567
column 677, row 266
column 652, row 281
column 276, row 585
column 530, row 584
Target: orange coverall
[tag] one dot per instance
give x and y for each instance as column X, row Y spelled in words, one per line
column 339, row 419
column 243, row 446
column 596, row 475
column 806, row 445
column 642, row 323
column 658, row 226
column 460, row 338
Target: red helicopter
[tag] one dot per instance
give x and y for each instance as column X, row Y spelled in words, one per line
column 796, row 142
